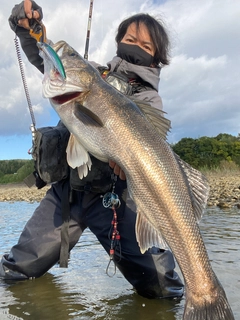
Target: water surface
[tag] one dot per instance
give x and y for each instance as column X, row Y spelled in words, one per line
column 84, row 291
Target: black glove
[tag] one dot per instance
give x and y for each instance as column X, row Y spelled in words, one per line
column 27, row 42
column 19, row 13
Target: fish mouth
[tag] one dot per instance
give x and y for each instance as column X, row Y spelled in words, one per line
column 60, row 84
column 57, row 87
column 63, row 98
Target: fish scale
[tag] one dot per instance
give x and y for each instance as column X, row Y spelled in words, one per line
column 169, row 195
column 152, row 209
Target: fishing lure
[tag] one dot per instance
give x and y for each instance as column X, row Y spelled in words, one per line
column 47, row 51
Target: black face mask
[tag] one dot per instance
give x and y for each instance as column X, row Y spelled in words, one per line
column 134, row 54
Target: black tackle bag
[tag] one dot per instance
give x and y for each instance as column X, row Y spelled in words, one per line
column 49, row 153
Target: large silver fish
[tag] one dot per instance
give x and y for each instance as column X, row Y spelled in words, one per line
column 169, row 194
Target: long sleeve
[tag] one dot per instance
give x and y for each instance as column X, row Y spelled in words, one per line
column 29, row 46
column 27, row 42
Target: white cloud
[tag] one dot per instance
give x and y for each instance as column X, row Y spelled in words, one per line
column 200, row 89
column 198, row 98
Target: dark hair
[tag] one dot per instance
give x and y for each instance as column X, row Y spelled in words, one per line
column 157, row 33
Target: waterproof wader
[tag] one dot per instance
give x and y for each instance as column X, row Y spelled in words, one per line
column 38, row 249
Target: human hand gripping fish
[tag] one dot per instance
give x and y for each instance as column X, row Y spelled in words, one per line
column 117, row 170
column 169, row 194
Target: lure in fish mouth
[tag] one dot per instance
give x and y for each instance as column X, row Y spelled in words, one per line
column 51, row 57
column 55, row 75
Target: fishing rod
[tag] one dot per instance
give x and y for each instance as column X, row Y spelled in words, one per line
column 88, row 30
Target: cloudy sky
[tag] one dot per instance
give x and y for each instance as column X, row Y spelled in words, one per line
column 200, row 89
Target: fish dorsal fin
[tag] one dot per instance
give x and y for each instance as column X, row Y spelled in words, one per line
column 199, row 187
column 147, row 235
column 78, row 157
column 86, row 116
column 155, row 116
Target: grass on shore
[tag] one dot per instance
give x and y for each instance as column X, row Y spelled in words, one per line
column 225, row 168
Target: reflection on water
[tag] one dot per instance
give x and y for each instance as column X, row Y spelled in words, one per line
column 53, row 298
column 84, row 291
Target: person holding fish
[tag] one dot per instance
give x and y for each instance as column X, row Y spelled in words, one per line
column 142, row 49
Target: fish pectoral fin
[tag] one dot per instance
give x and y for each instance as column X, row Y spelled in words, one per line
column 86, row 116
column 83, row 170
column 199, row 187
column 147, row 235
column 78, row 157
column 155, row 116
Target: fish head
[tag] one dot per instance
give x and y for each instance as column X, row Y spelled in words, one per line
column 68, row 81
column 67, row 75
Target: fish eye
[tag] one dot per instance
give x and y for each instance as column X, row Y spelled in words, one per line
column 72, row 52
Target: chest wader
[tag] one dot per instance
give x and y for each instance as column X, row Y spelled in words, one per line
column 100, row 178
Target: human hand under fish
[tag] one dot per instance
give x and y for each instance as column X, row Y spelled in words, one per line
column 117, row 170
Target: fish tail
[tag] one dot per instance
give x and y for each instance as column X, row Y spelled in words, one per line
column 218, row 309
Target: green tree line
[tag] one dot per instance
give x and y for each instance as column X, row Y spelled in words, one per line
column 204, row 152
column 12, row 171
column 209, row 152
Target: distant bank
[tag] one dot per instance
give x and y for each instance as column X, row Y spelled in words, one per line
column 224, row 190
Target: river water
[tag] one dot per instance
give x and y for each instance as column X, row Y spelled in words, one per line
column 85, row 291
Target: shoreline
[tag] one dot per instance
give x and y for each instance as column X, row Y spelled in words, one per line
column 13, row 192
column 224, row 190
